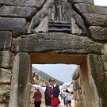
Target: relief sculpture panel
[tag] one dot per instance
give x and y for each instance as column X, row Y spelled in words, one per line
column 57, row 16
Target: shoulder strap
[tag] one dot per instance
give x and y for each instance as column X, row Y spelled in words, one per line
column 49, row 90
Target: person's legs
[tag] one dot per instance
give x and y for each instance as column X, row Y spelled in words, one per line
column 39, row 103
column 35, row 104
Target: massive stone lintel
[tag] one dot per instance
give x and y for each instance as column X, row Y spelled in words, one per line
column 56, row 42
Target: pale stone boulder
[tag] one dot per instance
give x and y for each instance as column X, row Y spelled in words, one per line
column 16, row 25
column 96, row 19
column 82, row 1
column 89, row 8
column 6, row 59
column 5, row 40
column 4, row 93
column 98, row 33
column 17, row 11
column 5, row 75
column 29, row 3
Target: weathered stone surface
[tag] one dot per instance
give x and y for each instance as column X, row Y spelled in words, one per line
column 16, row 11
column 105, row 66
column 88, row 8
column 98, row 33
column 96, row 19
column 83, row 1
column 20, row 92
column 4, row 93
column 6, row 59
column 104, row 58
column 5, row 39
column 3, row 105
column 5, row 75
column 56, row 42
column 97, row 9
column 105, row 48
column 33, row 3
column 96, row 70
column 16, row 25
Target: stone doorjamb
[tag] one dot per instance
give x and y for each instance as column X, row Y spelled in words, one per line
column 20, row 90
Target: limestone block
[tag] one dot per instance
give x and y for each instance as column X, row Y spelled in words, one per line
column 16, row 25
column 20, row 90
column 98, row 33
column 97, row 9
column 31, row 3
column 3, row 105
column 83, row 1
column 81, row 7
column 16, row 11
column 56, row 42
column 96, row 70
column 105, row 48
column 5, row 75
column 96, row 19
column 104, row 57
column 89, row 8
column 106, row 74
column 4, row 93
column 6, row 59
column 76, row 85
column 76, row 74
column 5, row 39
column 105, row 65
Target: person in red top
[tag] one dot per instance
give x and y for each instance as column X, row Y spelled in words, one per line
column 37, row 98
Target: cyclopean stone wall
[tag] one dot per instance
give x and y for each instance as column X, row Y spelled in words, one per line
column 88, row 37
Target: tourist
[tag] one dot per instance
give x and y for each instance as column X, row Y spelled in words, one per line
column 51, row 92
column 37, row 98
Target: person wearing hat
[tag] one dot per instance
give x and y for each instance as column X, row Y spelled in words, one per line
column 51, row 91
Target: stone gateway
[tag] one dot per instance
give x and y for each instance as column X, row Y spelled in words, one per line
column 51, row 32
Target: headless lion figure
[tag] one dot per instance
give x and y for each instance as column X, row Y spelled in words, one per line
column 39, row 22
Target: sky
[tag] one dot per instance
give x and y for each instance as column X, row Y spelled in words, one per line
column 100, row 2
column 63, row 72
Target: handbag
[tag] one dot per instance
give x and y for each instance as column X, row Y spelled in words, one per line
column 54, row 101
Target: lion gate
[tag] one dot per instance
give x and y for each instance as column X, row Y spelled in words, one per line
column 51, row 32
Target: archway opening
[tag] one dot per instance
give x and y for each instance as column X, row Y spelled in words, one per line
column 80, row 60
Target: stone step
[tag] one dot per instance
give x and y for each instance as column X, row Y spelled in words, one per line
column 59, row 25
column 60, row 22
column 59, row 30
